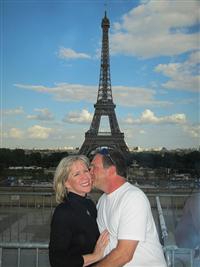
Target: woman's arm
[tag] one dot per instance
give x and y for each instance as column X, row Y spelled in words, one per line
column 98, row 250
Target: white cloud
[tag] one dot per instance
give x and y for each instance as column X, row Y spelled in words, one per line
column 168, row 135
column 44, row 115
column 65, row 92
column 37, row 88
column 142, row 131
column 68, row 53
column 148, row 117
column 157, row 28
column 39, row 132
column 16, row 111
column 122, row 95
column 79, row 117
column 182, row 76
column 136, row 96
column 193, row 131
column 15, row 133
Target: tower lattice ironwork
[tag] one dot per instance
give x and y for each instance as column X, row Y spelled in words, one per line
column 104, row 106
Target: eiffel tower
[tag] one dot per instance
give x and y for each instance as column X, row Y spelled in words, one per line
column 104, row 107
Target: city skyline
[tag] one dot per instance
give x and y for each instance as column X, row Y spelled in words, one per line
column 50, row 61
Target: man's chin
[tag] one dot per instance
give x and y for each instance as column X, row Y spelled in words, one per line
column 94, row 186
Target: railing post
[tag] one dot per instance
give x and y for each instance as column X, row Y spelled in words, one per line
column 168, row 256
column 37, row 257
column 162, row 221
column 18, row 257
column 1, row 253
column 191, row 257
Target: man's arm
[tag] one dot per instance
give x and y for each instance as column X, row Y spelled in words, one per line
column 120, row 255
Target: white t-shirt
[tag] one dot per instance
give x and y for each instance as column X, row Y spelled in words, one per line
column 126, row 214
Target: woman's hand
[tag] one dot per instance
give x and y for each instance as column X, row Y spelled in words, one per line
column 97, row 254
column 101, row 244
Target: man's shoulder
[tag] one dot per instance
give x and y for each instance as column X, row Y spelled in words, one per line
column 129, row 188
column 132, row 193
column 101, row 199
column 103, row 196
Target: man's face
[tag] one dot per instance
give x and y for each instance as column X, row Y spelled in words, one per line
column 98, row 172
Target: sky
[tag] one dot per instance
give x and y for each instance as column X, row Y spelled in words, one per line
column 50, row 67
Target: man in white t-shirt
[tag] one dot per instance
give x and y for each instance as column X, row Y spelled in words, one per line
column 125, row 212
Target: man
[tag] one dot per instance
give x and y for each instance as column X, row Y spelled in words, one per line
column 125, row 212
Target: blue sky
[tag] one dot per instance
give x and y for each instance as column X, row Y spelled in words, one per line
column 50, row 65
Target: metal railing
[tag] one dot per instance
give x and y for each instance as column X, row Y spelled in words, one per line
column 11, row 254
column 174, row 255
column 17, row 252
column 163, row 227
column 39, row 255
column 27, row 199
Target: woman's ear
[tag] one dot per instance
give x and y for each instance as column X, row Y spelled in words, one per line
column 67, row 184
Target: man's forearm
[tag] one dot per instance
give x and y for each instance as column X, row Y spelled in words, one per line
column 114, row 259
column 120, row 255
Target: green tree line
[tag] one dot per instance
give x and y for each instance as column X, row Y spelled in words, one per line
column 183, row 162
column 18, row 157
column 179, row 161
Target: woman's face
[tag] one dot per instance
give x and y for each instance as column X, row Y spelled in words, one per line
column 79, row 179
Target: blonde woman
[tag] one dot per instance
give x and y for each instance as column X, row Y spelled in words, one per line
column 74, row 236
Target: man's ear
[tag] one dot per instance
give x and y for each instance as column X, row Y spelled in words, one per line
column 112, row 169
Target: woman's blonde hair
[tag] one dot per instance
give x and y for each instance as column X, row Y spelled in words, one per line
column 62, row 173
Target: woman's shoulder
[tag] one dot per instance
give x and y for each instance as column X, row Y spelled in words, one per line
column 63, row 206
column 62, row 215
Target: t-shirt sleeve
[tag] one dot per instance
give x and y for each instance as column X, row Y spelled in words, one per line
column 60, row 241
column 133, row 217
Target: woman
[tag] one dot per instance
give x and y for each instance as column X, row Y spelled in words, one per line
column 74, row 236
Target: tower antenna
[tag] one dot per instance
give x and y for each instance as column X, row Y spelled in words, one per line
column 106, row 6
